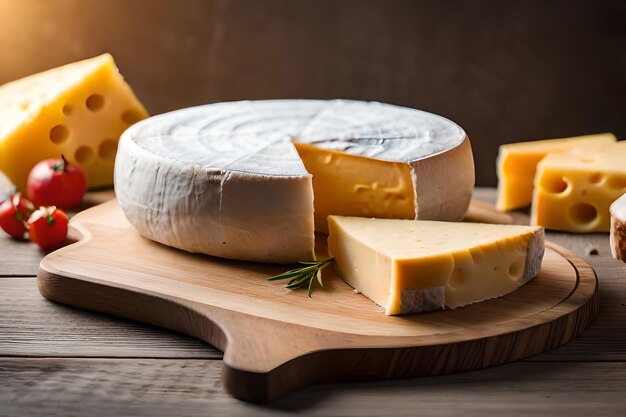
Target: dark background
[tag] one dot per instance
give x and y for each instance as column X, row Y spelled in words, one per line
column 504, row 70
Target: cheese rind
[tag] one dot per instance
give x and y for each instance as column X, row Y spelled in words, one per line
column 574, row 189
column 414, row 266
column 78, row 110
column 617, row 237
column 517, row 164
column 226, row 179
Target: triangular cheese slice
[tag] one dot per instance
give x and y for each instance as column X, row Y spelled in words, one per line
column 411, row 266
column 78, row 110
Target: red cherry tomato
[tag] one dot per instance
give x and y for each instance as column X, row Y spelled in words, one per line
column 14, row 212
column 48, row 227
column 56, row 182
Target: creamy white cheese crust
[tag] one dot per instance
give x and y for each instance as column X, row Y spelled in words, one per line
column 224, row 179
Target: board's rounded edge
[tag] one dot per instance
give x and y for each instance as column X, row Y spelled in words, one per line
column 354, row 364
column 165, row 312
column 348, row 364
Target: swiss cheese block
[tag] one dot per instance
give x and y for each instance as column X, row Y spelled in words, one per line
column 618, row 228
column 409, row 266
column 517, row 164
column 574, row 189
column 78, row 110
column 237, row 180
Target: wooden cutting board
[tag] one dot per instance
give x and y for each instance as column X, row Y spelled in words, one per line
column 276, row 340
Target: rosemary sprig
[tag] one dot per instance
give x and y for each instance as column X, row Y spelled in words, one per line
column 305, row 275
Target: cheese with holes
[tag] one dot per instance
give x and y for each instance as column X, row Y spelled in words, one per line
column 573, row 190
column 78, row 110
column 240, row 180
column 408, row 266
column 618, row 228
column 517, row 165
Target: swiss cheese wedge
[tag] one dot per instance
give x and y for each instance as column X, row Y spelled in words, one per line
column 409, row 266
column 78, row 110
column 517, row 164
column 574, row 189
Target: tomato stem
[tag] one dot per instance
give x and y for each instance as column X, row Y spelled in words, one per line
column 61, row 165
column 50, row 220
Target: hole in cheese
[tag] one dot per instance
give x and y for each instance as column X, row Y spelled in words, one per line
column 59, row 134
column 583, row 213
column 596, row 178
column 94, row 102
column 83, row 155
column 515, row 269
column 67, row 110
column 616, row 182
column 457, row 278
column 107, row 150
column 553, row 184
column 131, row 116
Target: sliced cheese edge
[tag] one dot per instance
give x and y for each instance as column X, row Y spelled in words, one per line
column 517, row 164
column 409, row 266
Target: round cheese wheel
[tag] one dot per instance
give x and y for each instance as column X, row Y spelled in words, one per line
column 227, row 179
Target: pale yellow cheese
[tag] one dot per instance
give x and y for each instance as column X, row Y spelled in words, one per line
column 573, row 190
column 78, row 110
column 517, row 163
column 354, row 185
column 411, row 266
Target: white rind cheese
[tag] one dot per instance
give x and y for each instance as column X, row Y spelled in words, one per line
column 617, row 238
column 225, row 179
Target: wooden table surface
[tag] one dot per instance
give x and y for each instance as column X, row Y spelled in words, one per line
column 60, row 361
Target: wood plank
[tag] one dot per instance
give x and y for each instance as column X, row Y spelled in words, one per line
column 33, row 326
column 99, row 387
column 18, row 257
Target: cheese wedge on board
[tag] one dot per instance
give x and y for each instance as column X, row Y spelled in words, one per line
column 409, row 266
column 240, row 180
column 78, row 110
column 574, row 189
column 617, row 237
column 517, row 164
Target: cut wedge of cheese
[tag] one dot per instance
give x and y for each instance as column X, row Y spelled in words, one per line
column 78, row 110
column 574, row 189
column 517, row 164
column 618, row 228
column 409, row 266
column 237, row 180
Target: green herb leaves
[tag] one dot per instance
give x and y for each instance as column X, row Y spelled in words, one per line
column 304, row 276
